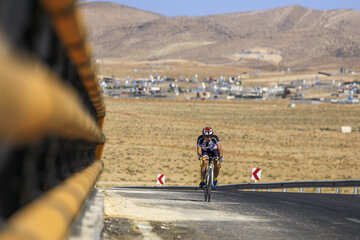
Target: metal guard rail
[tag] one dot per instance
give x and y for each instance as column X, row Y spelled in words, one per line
column 39, row 105
column 266, row 186
column 299, row 184
column 51, row 112
column 51, row 216
column 67, row 24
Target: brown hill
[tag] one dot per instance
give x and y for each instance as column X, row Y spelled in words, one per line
column 291, row 36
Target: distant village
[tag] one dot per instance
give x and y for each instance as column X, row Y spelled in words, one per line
column 231, row 88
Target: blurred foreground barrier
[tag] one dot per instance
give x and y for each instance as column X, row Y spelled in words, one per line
column 51, row 119
column 35, row 104
column 51, row 216
column 65, row 19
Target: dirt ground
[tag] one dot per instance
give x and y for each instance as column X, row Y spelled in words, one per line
column 148, row 137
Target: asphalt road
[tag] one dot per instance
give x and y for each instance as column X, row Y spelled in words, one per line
column 169, row 214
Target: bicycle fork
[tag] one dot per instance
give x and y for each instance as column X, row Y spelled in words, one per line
column 210, row 175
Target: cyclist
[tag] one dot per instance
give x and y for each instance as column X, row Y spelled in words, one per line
column 208, row 145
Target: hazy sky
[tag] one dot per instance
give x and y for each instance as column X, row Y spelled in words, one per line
column 208, row 7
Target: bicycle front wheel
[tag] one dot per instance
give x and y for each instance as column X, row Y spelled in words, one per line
column 209, row 184
column 205, row 188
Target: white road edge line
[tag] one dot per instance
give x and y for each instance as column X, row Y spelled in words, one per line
column 353, row 220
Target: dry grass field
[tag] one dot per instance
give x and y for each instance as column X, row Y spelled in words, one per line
column 147, row 137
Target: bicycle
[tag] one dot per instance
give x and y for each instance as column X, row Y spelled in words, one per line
column 209, row 180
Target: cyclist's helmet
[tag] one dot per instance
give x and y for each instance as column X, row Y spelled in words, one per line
column 207, row 132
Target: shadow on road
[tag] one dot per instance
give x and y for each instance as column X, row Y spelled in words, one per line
column 185, row 200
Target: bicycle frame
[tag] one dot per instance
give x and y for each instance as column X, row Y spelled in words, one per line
column 209, row 178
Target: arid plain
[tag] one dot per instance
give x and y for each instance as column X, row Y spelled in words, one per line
column 147, row 137
column 267, row 48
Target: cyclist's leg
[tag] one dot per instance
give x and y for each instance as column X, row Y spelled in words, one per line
column 217, row 165
column 204, row 165
column 204, row 162
column 216, row 160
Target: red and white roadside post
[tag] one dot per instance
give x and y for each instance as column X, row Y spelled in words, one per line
column 256, row 174
column 161, row 179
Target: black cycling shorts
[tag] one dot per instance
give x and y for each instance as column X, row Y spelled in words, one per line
column 212, row 154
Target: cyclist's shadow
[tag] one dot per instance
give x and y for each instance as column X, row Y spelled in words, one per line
column 185, row 200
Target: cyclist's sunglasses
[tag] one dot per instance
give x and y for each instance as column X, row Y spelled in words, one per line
column 208, row 136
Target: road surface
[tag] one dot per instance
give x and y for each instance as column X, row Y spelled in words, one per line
column 174, row 214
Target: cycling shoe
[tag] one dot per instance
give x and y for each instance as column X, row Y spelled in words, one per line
column 202, row 184
column 214, row 184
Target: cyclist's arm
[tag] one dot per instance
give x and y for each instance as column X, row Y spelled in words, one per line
column 198, row 150
column 220, row 149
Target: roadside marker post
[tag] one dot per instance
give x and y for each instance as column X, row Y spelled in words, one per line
column 256, row 174
column 161, row 179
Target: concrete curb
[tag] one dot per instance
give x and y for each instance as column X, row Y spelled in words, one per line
column 90, row 221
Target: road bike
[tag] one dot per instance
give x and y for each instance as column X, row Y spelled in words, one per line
column 209, row 180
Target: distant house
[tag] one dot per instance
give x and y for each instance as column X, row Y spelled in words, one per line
column 345, row 90
column 107, row 82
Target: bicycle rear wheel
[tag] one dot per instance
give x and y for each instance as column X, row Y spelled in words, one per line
column 209, row 184
column 205, row 188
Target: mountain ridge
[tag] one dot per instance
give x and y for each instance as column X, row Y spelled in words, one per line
column 303, row 37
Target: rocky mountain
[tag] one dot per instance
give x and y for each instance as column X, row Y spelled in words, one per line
column 291, row 36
